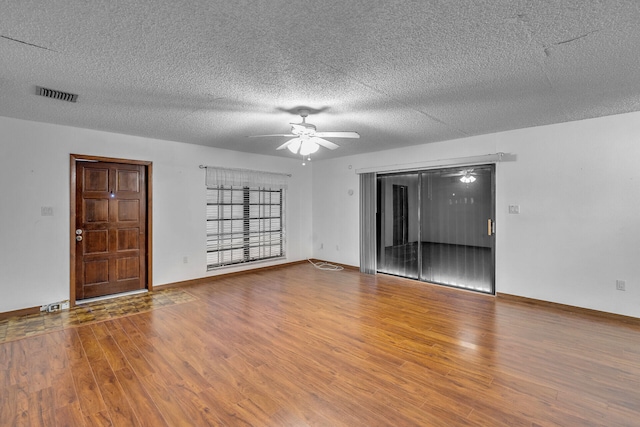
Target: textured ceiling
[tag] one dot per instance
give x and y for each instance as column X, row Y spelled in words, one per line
column 398, row 72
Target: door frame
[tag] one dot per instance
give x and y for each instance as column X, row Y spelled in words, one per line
column 148, row 168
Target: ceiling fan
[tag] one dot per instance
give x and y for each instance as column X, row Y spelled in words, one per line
column 307, row 140
column 466, row 175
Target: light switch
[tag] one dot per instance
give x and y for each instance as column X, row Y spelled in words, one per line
column 46, row 211
column 514, row 209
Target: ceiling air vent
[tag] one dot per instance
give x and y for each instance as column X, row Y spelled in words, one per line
column 56, row 94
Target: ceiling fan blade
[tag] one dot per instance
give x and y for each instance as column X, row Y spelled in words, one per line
column 275, row 134
column 326, row 144
column 286, row 144
column 338, row 134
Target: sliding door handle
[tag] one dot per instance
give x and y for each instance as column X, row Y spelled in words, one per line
column 491, row 227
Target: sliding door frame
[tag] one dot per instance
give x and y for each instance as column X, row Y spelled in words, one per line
column 490, row 227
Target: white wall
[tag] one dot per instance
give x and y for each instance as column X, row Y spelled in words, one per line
column 578, row 187
column 34, row 172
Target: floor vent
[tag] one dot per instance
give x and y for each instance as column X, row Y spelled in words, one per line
column 56, row 94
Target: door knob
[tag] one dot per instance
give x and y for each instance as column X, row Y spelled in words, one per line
column 78, row 231
column 78, row 238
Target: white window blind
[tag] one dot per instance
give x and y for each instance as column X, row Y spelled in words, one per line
column 245, row 222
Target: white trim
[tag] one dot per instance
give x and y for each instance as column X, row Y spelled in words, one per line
column 111, row 296
column 433, row 164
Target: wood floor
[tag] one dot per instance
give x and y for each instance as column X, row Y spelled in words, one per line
column 302, row 347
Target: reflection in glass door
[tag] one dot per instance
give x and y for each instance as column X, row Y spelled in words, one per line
column 398, row 225
column 449, row 226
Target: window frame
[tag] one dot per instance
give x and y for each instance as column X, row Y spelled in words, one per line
column 244, row 229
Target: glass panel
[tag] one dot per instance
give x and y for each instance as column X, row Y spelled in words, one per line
column 456, row 246
column 398, row 225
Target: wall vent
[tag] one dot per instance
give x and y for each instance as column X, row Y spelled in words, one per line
column 56, row 94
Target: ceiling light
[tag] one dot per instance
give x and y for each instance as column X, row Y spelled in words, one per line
column 308, row 147
column 294, row 146
column 467, row 179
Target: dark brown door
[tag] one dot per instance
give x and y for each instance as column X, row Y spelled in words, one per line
column 110, row 228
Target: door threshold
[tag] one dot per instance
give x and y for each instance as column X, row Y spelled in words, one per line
column 105, row 297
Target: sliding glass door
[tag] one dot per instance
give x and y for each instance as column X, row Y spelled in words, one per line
column 437, row 226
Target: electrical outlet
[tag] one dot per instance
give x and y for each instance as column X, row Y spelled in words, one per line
column 55, row 306
column 46, row 211
column 621, row 285
column 321, row 245
column 514, row 209
column 185, row 260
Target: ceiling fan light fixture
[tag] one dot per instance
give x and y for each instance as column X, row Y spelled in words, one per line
column 294, row 146
column 308, row 147
column 307, row 140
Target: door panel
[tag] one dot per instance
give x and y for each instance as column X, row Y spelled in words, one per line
column 128, row 239
column 96, row 272
column 456, row 248
column 127, row 268
column 111, row 226
column 128, row 210
column 95, row 242
column 96, row 210
column 95, row 179
column 128, row 181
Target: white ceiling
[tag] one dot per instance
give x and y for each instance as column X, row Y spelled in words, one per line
column 398, row 72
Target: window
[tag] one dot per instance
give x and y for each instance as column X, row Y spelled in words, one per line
column 245, row 222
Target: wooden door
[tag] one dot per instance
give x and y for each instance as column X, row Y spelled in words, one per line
column 111, row 218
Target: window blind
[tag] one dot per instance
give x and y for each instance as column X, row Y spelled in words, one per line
column 368, row 223
column 245, row 222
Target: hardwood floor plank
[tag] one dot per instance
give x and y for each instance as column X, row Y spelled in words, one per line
column 86, row 387
column 92, row 350
column 226, row 412
column 18, row 366
column 180, row 405
column 143, row 405
column 112, row 352
column 5, row 378
column 70, row 416
column 73, row 346
column 39, row 370
column 100, row 419
column 166, row 402
column 42, row 408
column 20, row 395
column 296, row 399
column 100, row 330
column 119, row 411
column 8, row 405
column 131, row 353
column 426, row 414
column 302, row 347
column 64, row 390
